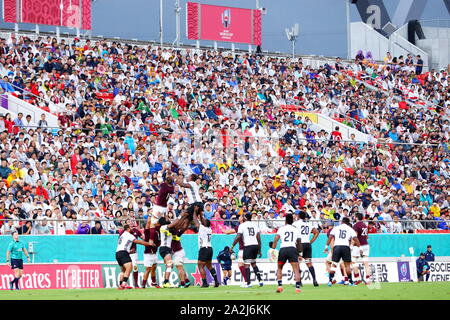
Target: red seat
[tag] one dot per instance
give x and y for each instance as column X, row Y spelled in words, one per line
column 69, row 231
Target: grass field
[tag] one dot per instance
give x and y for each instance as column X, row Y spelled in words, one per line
column 387, row 291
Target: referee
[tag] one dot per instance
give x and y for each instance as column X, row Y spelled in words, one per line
column 15, row 249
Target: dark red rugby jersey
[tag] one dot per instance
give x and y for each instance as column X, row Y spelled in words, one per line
column 163, row 194
column 137, row 234
column 152, row 234
column 362, row 232
column 176, row 245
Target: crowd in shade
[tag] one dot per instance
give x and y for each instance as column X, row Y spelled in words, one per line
column 129, row 115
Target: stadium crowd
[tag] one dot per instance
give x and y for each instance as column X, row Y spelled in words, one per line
column 129, row 114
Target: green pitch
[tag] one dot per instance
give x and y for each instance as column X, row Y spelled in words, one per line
column 383, row 291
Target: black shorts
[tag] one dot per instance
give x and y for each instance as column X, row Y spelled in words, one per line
column 226, row 267
column 191, row 207
column 16, row 264
column 164, row 251
column 250, row 253
column 306, row 251
column 123, row 257
column 343, row 252
column 205, row 254
column 288, row 254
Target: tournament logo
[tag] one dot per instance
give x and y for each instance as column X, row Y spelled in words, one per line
column 226, row 18
column 403, row 270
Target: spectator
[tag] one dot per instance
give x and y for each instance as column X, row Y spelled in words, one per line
column 83, row 228
column 97, row 229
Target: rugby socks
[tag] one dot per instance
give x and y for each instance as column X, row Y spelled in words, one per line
column 166, row 281
column 331, row 276
column 214, row 274
column 280, row 283
column 356, row 276
column 247, row 272
column 205, row 283
column 258, row 275
column 144, row 283
column 426, row 278
column 135, row 278
column 182, row 283
column 313, row 273
column 350, row 278
column 125, row 281
column 297, row 285
column 154, row 279
column 244, row 273
column 345, row 279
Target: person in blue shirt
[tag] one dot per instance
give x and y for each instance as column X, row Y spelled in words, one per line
column 224, row 258
column 423, row 268
column 429, row 255
column 15, row 249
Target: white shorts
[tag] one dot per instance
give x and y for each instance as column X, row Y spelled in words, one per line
column 178, row 257
column 150, row 259
column 240, row 256
column 356, row 255
column 134, row 257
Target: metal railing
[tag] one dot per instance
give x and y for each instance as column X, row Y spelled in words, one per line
column 321, row 224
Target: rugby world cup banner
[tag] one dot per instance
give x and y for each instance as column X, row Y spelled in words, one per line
column 218, row 23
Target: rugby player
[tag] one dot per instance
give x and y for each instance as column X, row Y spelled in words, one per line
column 342, row 236
column 165, row 250
column 126, row 240
column 133, row 252
column 250, row 234
column 306, row 228
column 150, row 252
column 205, row 252
column 160, row 206
column 290, row 248
column 225, row 261
column 178, row 259
column 195, row 203
column 15, row 249
column 363, row 253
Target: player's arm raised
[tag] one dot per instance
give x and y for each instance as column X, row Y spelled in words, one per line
column 180, row 182
column 195, row 220
column 315, row 233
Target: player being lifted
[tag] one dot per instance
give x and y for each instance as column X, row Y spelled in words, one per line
column 342, row 236
column 290, row 248
column 362, row 253
column 165, row 250
column 150, row 253
column 205, row 252
column 126, row 240
column 160, row 208
column 195, row 204
column 250, row 233
column 178, row 259
column 306, row 228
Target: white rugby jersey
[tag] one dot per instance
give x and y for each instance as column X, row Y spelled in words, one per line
column 204, row 236
column 249, row 230
column 125, row 241
column 193, row 193
column 288, row 236
column 166, row 237
column 343, row 234
column 305, row 228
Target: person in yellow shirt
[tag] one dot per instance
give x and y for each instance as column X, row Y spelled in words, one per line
column 408, row 186
column 276, row 182
column 435, row 210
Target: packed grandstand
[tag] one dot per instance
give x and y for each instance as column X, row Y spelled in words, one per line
column 244, row 122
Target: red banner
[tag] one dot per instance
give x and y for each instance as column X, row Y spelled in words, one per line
column 218, row 23
column 54, row 276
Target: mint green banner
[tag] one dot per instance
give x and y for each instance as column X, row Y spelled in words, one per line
column 101, row 248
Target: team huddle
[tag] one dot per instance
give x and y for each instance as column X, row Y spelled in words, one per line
column 346, row 245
